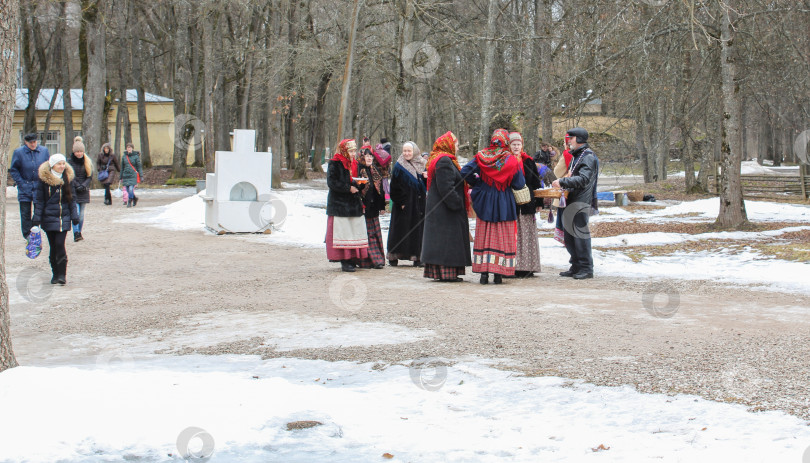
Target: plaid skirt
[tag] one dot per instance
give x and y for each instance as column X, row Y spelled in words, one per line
column 495, row 247
column 440, row 272
column 376, row 253
column 337, row 255
column 528, row 249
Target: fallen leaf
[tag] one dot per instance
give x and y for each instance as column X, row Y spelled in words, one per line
column 601, row 447
column 387, row 456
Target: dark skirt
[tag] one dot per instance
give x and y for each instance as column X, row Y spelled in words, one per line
column 337, row 255
column 495, row 247
column 440, row 272
column 376, row 253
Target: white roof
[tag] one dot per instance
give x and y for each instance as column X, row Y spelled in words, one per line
column 45, row 95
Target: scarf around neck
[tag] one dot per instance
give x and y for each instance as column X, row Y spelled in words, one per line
column 342, row 154
column 496, row 163
column 416, row 166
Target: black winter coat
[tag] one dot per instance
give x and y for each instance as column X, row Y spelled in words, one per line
column 534, row 183
column 341, row 202
column 81, row 182
column 373, row 200
column 581, row 185
column 54, row 207
column 447, row 232
column 408, row 222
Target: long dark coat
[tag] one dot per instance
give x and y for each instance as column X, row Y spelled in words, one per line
column 408, row 223
column 81, row 180
column 341, row 202
column 447, row 232
column 534, row 183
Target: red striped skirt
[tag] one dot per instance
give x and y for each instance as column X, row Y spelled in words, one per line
column 337, row 255
column 440, row 272
column 495, row 247
column 376, row 252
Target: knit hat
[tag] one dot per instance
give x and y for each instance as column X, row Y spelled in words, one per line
column 78, row 145
column 55, row 158
column 515, row 136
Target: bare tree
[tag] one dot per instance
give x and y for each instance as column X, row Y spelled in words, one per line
column 94, row 73
column 9, row 24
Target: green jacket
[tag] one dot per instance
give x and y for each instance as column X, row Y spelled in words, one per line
column 129, row 175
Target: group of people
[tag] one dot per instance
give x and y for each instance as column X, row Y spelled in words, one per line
column 432, row 197
column 54, row 190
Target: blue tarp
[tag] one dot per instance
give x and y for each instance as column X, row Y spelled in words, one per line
column 605, row 196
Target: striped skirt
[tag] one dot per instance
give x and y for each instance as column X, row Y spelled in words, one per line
column 440, row 272
column 337, row 255
column 495, row 247
column 528, row 249
column 376, row 252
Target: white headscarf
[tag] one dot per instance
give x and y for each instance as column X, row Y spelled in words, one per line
column 417, row 163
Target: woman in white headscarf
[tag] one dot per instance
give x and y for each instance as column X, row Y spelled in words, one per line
column 408, row 190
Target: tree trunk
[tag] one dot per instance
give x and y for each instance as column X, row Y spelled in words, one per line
column 95, row 87
column 489, row 65
column 137, row 78
column 122, row 115
column 181, row 91
column 732, row 207
column 9, row 36
column 544, row 16
column 320, row 121
column 347, row 72
column 35, row 62
column 64, row 79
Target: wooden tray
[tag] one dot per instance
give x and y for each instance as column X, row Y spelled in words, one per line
column 550, row 193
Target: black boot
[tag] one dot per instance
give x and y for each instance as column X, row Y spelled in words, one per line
column 346, row 266
column 393, row 262
column 135, row 201
column 62, row 271
column 107, row 201
column 77, row 236
column 484, row 278
column 54, row 271
column 497, row 279
column 129, row 202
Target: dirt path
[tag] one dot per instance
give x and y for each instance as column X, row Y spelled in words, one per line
column 137, row 290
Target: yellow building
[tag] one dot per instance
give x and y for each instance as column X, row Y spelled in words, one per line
column 159, row 116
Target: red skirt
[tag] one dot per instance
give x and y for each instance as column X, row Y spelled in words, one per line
column 440, row 272
column 376, row 253
column 337, row 255
column 495, row 247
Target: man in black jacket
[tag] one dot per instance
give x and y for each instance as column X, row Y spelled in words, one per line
column 580, row 184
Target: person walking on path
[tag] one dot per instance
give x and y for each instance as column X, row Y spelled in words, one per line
column 82, row 168
column 107, row 162
column 346, row 235
column 493, row 173
column 527, row 259
column 54, row 211
column 581, row 185
column 446, row 239
column 373, row 204
column 408, row 191
column 24, row 169
column 131, row 173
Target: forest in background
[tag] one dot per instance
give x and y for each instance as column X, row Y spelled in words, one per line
column 703, row 82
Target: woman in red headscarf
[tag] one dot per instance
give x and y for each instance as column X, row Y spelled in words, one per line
column 346, row 236
column 527, row 259
column 492, row 174
column 446, row 239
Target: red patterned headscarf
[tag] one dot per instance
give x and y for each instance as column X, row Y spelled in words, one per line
column 342, row 154
column 496, row 163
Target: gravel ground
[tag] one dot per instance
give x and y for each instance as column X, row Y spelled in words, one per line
column 136, row 287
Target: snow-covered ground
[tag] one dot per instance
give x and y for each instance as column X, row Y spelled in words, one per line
column 305, row 224
column 465, row 412
column 113, row 399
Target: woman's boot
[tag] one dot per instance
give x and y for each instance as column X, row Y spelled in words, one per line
column 346, row 266
column 484, row 278
column 497, row 279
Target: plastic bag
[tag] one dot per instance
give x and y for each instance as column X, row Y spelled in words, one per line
column 34, row 245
